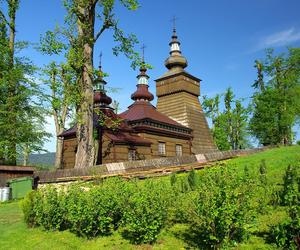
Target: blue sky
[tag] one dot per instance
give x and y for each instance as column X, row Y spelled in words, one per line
column 220, row 39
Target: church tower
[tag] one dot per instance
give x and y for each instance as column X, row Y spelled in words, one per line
column 177, row 97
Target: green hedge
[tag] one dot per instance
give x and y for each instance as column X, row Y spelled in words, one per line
column 219, row 205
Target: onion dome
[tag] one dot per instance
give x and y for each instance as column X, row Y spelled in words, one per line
column 142, row 93
column 100, row 97
column 175, row 59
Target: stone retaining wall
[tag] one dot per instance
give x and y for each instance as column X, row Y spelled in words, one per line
column 120, row 168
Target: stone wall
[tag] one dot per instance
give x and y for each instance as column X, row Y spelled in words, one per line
column 119, row 168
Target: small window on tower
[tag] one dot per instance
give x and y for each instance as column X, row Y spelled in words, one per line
column 161, row 148
column 132, row 155
column 178, row 149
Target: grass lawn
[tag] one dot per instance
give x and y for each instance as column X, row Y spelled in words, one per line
column 14, row 234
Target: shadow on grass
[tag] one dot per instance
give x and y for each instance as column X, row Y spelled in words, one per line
column 183, row 232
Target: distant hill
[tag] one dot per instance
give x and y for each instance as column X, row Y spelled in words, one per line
column 45, row 160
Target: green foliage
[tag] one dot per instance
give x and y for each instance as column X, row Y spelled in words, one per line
column 50, row 209
column 50, row 43
column 45, row 208
column 27, row 206
column 99, row 211
column 224, row 210
column 192, row 179
column 276, row 100
column 289, row 194
column 85, row 23
column 21, row 112
column 173, row 178
column 229, row 128
column 219, row 211
column 146, row 214
column 287, row 233
column 263, row 172
column 85, row 212
column 219, row 133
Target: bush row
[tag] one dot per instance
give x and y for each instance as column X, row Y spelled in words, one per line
column 219, row 205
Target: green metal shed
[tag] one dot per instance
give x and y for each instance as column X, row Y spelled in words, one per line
column 20, row 187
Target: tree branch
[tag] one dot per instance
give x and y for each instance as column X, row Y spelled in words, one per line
column 65, row 107
column 108, row 22
column 5, row 20
column 100, row 32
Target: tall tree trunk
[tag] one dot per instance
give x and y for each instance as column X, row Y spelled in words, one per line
column 60, row 115
column 25, row 155
column 85, row 148
column 59, row 125
column 59, row 152
column 12, row 147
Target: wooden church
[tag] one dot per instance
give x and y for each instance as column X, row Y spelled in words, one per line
column 176, row 127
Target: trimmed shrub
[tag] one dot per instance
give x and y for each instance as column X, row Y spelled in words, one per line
column 146, row 213
column 223, row 210
column 288, row 193
column 287, row 234
column 27, row 206
column 45, row 208
column 99, row 210
column 192, row 179
column 50, row 209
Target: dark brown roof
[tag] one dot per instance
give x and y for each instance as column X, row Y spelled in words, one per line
column 174, row 73
column 142, row 92
column 126, row 137
column 124, row 133
column 101, row 98
column 162, row 131
column 17, row 168
column 141, row 110
column 69, row 132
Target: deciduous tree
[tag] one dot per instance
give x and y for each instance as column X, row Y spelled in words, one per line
column 21, row 99
column 82, row 34
column 276, row 100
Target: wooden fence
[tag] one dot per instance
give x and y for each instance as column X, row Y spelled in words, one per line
column 125, row 168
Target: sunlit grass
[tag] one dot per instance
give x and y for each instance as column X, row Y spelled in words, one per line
column 14, row 234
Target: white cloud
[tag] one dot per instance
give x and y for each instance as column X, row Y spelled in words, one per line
column 281, row 38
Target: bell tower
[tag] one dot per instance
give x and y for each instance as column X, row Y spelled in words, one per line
column 177, row 97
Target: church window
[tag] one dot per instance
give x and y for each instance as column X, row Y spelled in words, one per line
column 132, row 155
column 161, row 148
column 178, row 149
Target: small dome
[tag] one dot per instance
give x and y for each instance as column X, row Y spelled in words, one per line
column 101, row 98
column 176, row 60
column 142, row 93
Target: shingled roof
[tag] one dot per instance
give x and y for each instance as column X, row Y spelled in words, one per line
column 124, row 133
column 141, row 110
column 126, row 137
